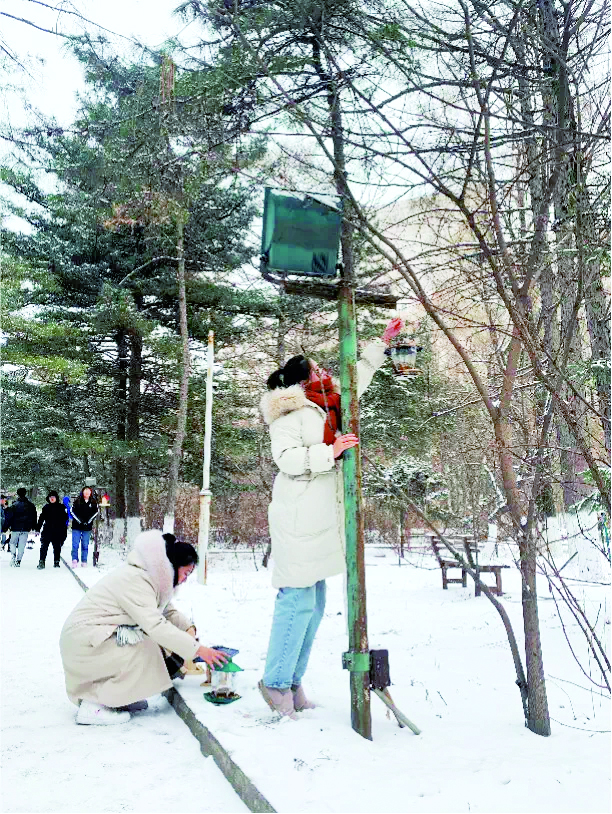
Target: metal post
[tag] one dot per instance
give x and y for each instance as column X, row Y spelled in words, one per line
column 357, row 659
column 205, row 493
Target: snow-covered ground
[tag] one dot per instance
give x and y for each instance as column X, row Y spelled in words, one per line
column 48, row 763
column 452, row 675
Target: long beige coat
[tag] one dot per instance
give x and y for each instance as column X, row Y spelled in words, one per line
column 306, row 515
column 137, row 593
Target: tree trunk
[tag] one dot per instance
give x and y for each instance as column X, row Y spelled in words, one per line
column 538, row 720
column 537, row 704
column 597, row 307
column 402, row 530
column 132, row 472
column 534, row 169
column 181, row 422
column 568, row 284
column 564, row 155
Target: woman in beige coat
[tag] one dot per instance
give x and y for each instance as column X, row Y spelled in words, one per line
column 306, row 515
column 111, row 642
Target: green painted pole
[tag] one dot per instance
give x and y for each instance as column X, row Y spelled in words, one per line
column 358, row 653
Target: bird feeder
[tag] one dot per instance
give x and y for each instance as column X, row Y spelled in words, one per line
column 403, row 357
column 223, row 680
column 105, row 501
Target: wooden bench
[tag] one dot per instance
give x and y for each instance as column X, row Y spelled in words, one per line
column 446, row 562
column 472, row 550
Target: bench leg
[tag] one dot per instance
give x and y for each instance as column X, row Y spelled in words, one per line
column 444, row 580
column 478, row 590
column 464, row 578
column 498, row 582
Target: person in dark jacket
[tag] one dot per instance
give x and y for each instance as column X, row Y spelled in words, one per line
column 53, row 528
column 20, row 518
column 84, row 511
column 3, row 509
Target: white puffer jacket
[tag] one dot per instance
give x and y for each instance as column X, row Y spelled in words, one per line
column 306, row 516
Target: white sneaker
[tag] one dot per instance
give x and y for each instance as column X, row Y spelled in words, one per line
column 99, row 715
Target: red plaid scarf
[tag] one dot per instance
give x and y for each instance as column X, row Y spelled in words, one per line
column 323, row 394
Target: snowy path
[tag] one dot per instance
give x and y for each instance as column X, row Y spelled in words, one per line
column 48, row 763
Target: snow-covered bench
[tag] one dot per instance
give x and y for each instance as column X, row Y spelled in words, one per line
column 477, row 556
column 446, row 561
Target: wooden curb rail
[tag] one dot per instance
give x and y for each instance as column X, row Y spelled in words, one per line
column 209, row 745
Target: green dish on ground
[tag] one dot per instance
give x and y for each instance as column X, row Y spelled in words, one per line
column 220, row 700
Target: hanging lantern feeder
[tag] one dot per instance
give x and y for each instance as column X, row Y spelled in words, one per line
column 403, row 357
column 223, row 689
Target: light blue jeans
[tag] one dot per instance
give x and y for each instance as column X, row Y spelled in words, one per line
column 297, row 616
column 82, row 538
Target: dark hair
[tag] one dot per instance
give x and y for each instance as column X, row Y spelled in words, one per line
column 21, row 492
column 179, row 554
column 81, row 497
column 296, row 370
column 54, row 494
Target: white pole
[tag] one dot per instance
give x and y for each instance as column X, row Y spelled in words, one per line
column 205, row 493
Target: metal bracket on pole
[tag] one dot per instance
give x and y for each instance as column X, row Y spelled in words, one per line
column 356, row 662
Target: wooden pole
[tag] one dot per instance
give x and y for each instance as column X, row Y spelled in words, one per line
column 357, row 658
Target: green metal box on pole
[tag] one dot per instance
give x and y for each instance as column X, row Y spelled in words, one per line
column 301, row 233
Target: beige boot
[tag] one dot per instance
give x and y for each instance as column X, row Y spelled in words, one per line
column 280, row 701
column 300, row 702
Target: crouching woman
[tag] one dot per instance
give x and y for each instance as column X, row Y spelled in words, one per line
column 111, row 644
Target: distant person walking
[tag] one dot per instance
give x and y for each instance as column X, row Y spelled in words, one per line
column 20, row 519
column 84, row 511
column 53, row 528
column 3, row 506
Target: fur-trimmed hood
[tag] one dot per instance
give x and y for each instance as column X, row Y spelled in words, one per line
column 149, row 553
column 283, row 400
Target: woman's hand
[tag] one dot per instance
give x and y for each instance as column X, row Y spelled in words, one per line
column 344, row 442
column 395, row 327
column 212, row 657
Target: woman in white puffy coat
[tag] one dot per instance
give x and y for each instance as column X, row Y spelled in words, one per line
column 306, row 515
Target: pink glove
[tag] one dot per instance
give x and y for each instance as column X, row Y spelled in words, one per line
column 395, row 327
